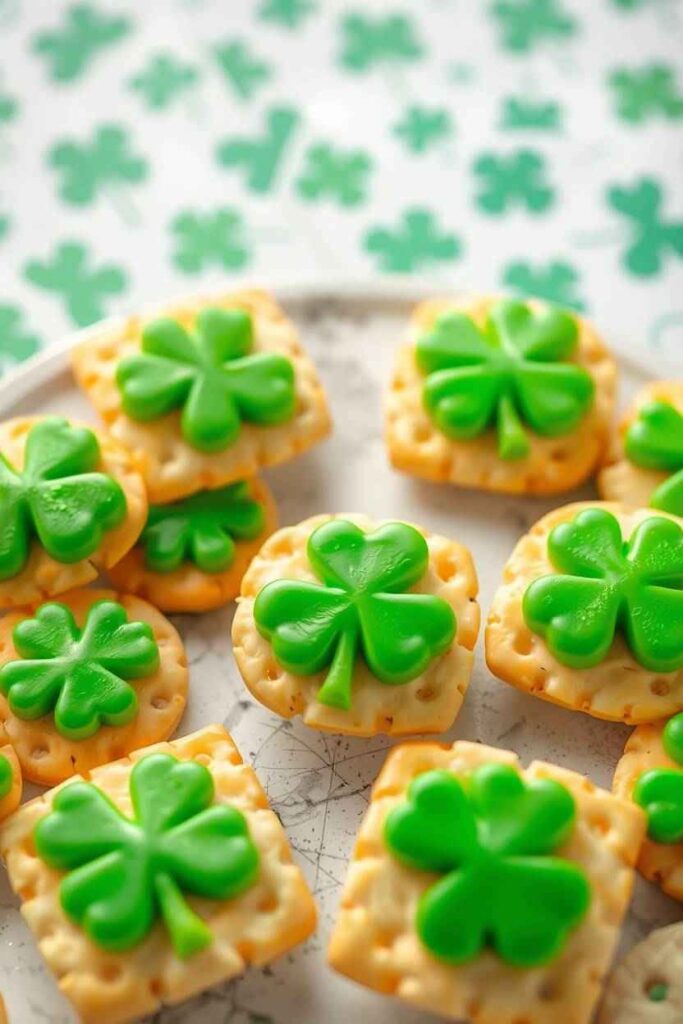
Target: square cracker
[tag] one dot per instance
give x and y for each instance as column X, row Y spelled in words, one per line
column 619, row 689
column 170, row 466
column 271, row 917
column 428, row 703
column 375, row 943
column 554, row 464
column 659, row 862
column 621, row 479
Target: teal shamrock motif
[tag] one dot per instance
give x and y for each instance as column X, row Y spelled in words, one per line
column 493, row 839
column 69, row 50
column 85, row 291
column 659, row 791
column 260, row 157
column 86, row 169
column 9, row 107
column 16, row 341
column 416, row 242
column 555, row 282
column 4, row 226
column 334, row 173
column 421, row 128
column 524, row 24
column 211, row 374
column 288, row 13
column 655, row 441
column 208, row 239
column 369, row 42
column 648, row 92
column 201, row 529
column 163, row 79
column 244, row 72
column 519, row 179
column 605, row 584
column 652, row 237
column 512, row 371
column 124, row 873
column 522, row 114
column 79, row 675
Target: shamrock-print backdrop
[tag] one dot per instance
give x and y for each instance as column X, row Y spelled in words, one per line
column 147, row 150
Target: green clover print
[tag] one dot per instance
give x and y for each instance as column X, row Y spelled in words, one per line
column 79, row 674
column 288, row 13
column 415, row 243
column 422, row 128
column 201, row 529
column 646, row 92
column 605, row 585
column 9, row 108
column 369, row 42
column 655, row 441
column 490, row 833
column 244, row 72
column 555, row 282
column 660, row 791
column 124, row 873
column 85, row 291
column 87, row 169
column 518, row 180
column 652, row 237
column 261, row 156
column 513, row 371
column 58, row 497
column 85, row 33
column 211, row 375
column 362, row 602
column 6, row 776
column 526, row 23
column 210, row 239
column 164, row 79
column 523, row 114
column 16, row 341
column 339, row 175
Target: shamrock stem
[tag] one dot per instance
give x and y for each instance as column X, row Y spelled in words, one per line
column 189, row 934
column 512, row 440
column 336, row 690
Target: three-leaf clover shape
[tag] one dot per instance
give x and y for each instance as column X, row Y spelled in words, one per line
column 492, row 836
column 605, row 584
column 201, row 529
column 509, row 372
column 211, row 374
column 655, row 441
column 660, row 791
column 79, row 674
column 123, row 872
column 361, row 603
column 58, row 497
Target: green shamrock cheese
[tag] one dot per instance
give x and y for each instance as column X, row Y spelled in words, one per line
column 491, row 836
column 660, row 790
column 6, row 776
column 79, row 674
column 605, row 584
column 57, row 497
column 655, row 441
column 124, row 873
column 211, row 375
column 513, row 371
column 201, row 529
column 361, row 603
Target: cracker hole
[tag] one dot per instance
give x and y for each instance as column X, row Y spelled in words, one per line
column 159, row 703
column 660, row 688
column 548, row 990
column 155, row 988
column 268, row 904
column 282, row 545
column 426, row 694
column 38, row 753
column 111, row 973
column 245, row 950
column 600, row 823
column 273, row 672
column 446, row 566
column 656, row 990
column 26, row 893
column 421, row 433
column 522, row 644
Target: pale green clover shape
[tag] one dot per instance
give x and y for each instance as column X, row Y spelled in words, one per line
column 244, row 72
column 369, row 42
column 207, row 239
column 338, row 174
column 288, row 13
column 416, row 242
column 421, row 128
column 652, row 236
column 554, row 282
column 80, row 675
column 86, row 31
column 518, row 179
column 123, row 873
column 84, row 290
column 260, row 156
column 526, row 23
column 16, row 341
column 162, row 80
column 88, row 168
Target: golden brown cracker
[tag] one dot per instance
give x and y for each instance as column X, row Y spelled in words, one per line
column 47, row 757
column 188, row 589
column 619, row 689
column 553, row 465
column 428, row 703
column 647, row 985
column 12, row 799
column 269, row 918
column 170, row 466
column 43, row 577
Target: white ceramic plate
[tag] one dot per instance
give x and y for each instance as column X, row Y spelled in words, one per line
column 319, row 784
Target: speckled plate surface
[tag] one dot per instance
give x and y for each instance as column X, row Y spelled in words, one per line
column 317, row 783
